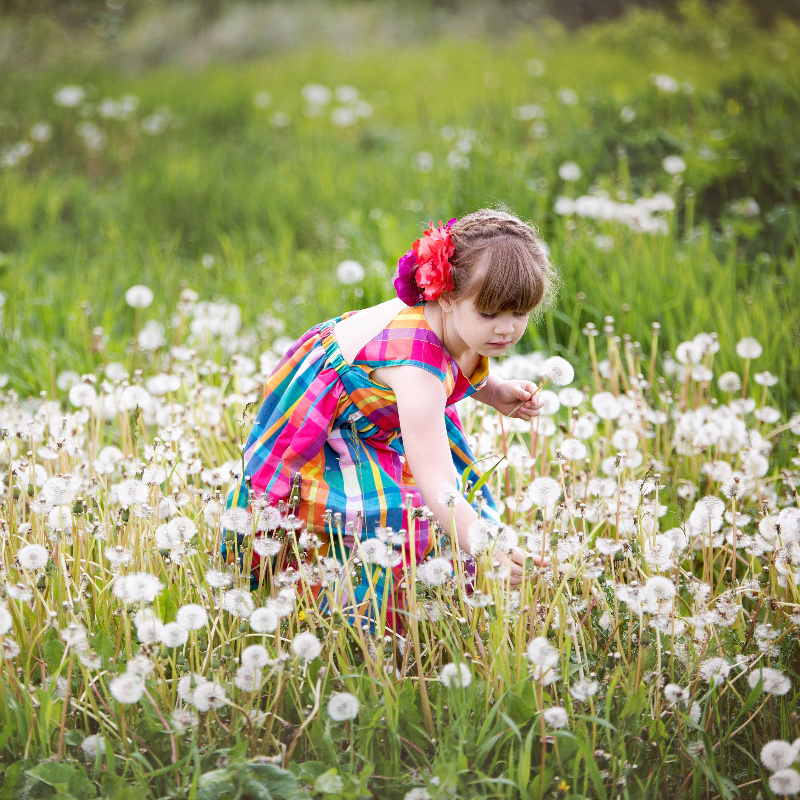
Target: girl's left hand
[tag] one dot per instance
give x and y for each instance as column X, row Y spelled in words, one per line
column 516, row 399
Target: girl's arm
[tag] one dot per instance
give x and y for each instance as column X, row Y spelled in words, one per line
column 506, row 397
column 421, row 401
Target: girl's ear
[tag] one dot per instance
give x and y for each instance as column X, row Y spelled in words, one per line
column 445, row 302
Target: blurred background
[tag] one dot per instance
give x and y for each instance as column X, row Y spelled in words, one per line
column 277, row 158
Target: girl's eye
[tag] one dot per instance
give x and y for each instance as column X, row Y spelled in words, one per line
column 488, row 316
column 521, row 315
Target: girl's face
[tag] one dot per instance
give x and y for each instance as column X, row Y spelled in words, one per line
column 486, row 334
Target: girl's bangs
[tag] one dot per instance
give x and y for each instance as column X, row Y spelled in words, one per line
column 512, row 283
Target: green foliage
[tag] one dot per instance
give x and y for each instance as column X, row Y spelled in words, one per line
column 253, row 780
column 67, row 781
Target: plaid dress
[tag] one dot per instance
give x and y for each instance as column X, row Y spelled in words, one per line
column 326, row 421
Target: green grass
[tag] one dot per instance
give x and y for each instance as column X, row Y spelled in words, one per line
column 280, row 208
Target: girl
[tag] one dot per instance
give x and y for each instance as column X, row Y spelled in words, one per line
column 358, row 422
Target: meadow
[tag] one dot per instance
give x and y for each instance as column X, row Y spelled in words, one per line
column 165, row 234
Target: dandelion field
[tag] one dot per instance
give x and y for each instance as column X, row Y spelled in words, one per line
column 159, row 254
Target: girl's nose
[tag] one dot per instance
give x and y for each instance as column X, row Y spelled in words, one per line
column 504, row 327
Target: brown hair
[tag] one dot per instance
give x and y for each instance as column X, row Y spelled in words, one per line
column 501, row 264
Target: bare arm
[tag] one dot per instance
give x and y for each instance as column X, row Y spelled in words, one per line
column 421, row 401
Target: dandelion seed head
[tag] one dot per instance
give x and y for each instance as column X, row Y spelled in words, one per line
column 306, row 646
column 714, row 669
column 785, row 782
column 558, row 371
column 127, row 688
column 673, row 693
column 544, row 492
column 238, row 602
column 455, row 675
column 139, row 296
column 91, row 745
column 542, row 653
column 773, row 681
column 173, row 634
column 435, row 571
column 555, row 717
column 343, row 706
column 660, row 588
column 192, row 616
column 777, row 755
column 266, row 546
column 264, row 620
column 32, row 557
column 748, row 348
column 208, row 695
column 217, row 580
column 255, row 656
column 729, row 382
column 583, row 690
column 479, row 536
column 247, row 679
column 184, row 719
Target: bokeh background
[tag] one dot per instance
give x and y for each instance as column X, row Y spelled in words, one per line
column 277, row 158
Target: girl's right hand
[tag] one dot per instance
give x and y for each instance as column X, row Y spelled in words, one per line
column 515, row 562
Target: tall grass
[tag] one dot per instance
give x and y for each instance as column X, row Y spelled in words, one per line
column 595, row 678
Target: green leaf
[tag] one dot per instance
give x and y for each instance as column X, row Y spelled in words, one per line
column 73, row 738
column 540, row 783
column 53, row 653
column 329, row 782
column 479, row 485
column 214, row 784
column 65, row 779
column 8, row 791
column 104, row 646
column 307, row 770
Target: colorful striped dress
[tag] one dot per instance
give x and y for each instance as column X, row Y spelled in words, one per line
column 326, row 421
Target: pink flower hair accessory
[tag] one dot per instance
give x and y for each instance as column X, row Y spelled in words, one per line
column 425, row 271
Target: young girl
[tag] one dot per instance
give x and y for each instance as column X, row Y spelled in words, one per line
column 358, row 421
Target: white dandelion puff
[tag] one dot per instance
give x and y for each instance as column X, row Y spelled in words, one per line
column 255, row 656
column 542, row 653
column 455, row 675
column 773, row 681
column 264, row 620
column 544, row 492
column 192, row 616
column 208, row 695
column 555, row 717
column 238, row 602
column 173, row 634
column 558, row 371
column 777, row 755
column 32, row 556
column 139, row 296
column 435, row 571
column 306, row 646
column 92, row 745
column 748, row 348
column 127, row 688
column 343, row 706
column 785, row 782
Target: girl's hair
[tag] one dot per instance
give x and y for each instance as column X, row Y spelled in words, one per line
column 500, row 264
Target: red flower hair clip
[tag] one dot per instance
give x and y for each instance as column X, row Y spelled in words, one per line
column 425, row 271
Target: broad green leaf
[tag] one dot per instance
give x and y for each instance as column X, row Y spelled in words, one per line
column 66, row 779
column 329, row 782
